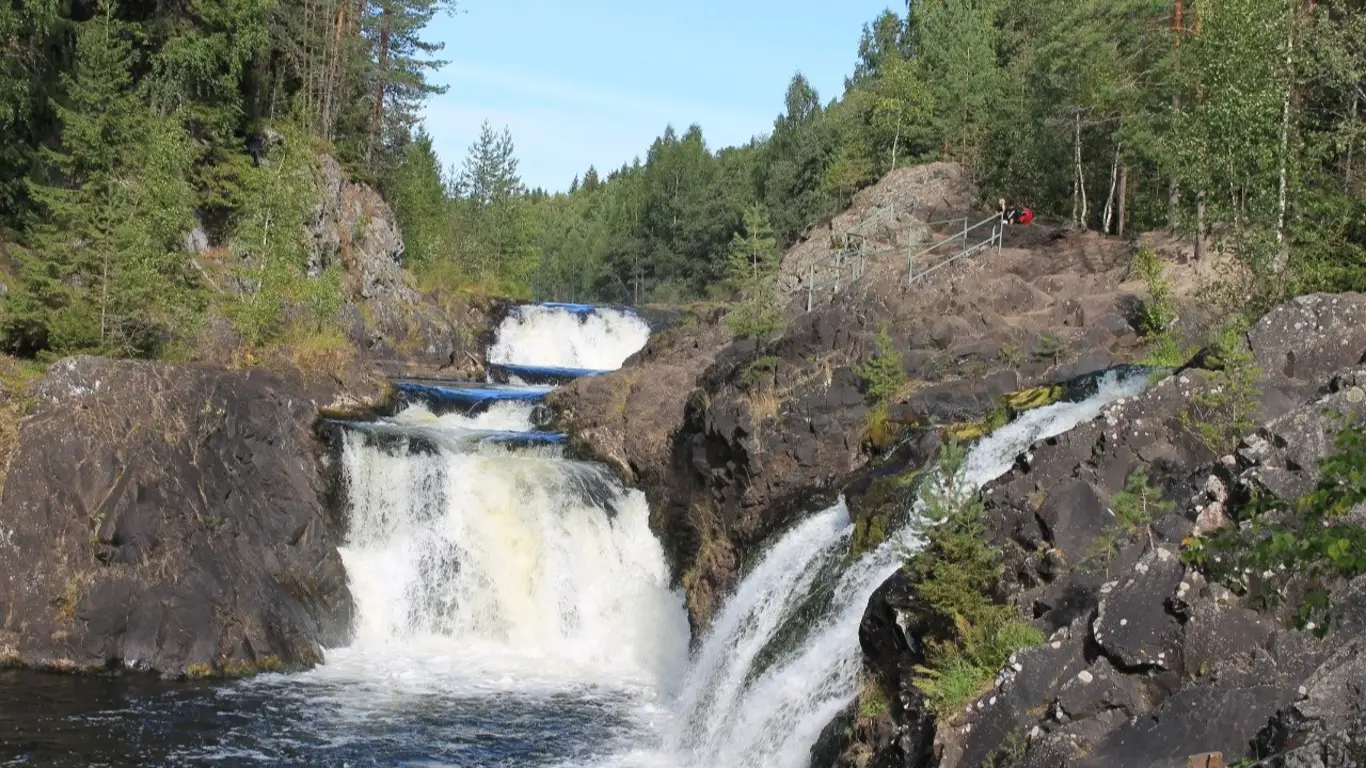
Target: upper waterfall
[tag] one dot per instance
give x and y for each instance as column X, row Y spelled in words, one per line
column 560, row 337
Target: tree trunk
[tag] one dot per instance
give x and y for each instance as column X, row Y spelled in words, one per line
column 1080, row 193
column 333, row 72
column 1200, row 245
column 1351, row 139
column 377, row 116
column 1114, row 185
column 896, row 141
column 1282, row 246
column 1123, row 196
column 1174, row 192
column 308, row 61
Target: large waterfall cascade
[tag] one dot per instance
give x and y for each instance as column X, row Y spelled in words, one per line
column 514, row 609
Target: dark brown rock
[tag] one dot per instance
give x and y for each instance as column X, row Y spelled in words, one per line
column 168, row 518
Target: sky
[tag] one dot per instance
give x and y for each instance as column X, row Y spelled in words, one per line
column 594, row 82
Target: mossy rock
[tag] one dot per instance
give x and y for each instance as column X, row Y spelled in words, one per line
column 881, row 509
column 1034, row 397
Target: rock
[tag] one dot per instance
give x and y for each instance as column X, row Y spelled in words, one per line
column 1074, row 516
column 1312, row 337
column 168, row 518
column 1132, row 623
column 1097, row 689
column 353, row 226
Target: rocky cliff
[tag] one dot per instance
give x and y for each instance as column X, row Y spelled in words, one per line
column 1149, row 661
column 734, row 441
column 180, row 518
column 168, row 518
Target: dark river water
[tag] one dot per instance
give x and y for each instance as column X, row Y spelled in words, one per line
column 130, row 720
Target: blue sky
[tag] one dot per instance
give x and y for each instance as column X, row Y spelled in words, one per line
column 593, row 82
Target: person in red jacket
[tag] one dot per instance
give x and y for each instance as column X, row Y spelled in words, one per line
column 1015, row 214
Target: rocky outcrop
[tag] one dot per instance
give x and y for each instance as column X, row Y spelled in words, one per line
column 168, row 518
column 733, row 442
column 353, row 226
column 1148, row 662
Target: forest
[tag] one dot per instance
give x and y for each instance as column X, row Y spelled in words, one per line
column 128, row 123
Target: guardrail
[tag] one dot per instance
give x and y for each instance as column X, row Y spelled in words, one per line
column 854, row 254
column 966, row 247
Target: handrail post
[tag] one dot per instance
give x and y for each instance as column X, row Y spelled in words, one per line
column 810, row 284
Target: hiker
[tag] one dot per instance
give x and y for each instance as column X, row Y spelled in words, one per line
column 1015, row 214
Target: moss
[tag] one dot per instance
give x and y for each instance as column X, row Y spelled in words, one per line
column 879, row 431
column 757, row 371
column 1034, row 397
column 16, row 378
column 869, row 534
column 270, row 663
column 872, row 702
column 198, row 671
column 236, row 668
column 880, row 509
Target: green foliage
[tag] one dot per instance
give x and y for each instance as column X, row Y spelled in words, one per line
column 752, row 268
column 417, row 192
column 1156, row 313
column 758, row 370
column 1139, row 503
column 103, row 273
column 957, row 572
column 1010, row 355
column 883, row 374
column 1304, row 538
column 1221, row 413
column 872, row 702
column 270, row 237
column 1049, row 347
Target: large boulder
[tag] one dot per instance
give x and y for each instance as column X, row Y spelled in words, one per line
column 168, row 518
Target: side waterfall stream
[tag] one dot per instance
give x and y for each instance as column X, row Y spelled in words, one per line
column 514, row 609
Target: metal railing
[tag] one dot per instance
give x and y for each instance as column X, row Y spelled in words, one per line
column 854, row 253
column 963, row 238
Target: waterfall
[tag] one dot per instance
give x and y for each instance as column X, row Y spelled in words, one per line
column 501, row 555
column 557, row 337
column 513, row 608
column 733, row 713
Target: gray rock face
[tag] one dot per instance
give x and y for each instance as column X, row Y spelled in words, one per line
column 168, row 518
column 1149, row 664
column 1132, row 622
column 1312, row 336
column 354, row 227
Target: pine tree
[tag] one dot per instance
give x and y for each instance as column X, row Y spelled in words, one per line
column 105, row 272
column 753, row 265
column 402, row 61
column 489, row 174
column 418, row 194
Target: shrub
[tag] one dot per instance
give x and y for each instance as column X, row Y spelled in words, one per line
column 1221, row 414
column 1139, row 503
column 971, row 635
column 1156, row 313
column 1304, row 537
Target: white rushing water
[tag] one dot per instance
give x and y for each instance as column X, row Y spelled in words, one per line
column 520, row 599
column 512, row 558
column 557, row 338
column 732, row 713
